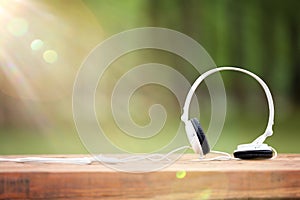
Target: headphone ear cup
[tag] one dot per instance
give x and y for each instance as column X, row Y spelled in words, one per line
column 201, row 136
column 253, row 154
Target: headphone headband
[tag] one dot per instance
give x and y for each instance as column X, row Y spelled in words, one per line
column 268, row 131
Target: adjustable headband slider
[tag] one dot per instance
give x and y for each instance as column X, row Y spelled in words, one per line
column 184, row 118
column 263, row 137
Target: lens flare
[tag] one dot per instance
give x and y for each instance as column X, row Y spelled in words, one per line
column 18, row 27
column 36, row 44
column 34, row 35
column 50, row 56
column 16, row 76
column 205, row 194
column 181, row 174
column 1, row 10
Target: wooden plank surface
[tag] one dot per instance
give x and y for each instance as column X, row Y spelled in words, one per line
column 235, row 179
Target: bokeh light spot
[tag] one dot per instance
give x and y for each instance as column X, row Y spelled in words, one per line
column 205, row 194
column 50, row 56
column 180, row 174
column 36, row 44
column 18, row 27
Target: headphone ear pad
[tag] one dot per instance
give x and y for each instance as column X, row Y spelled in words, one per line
column 253, row 154
column 201, row 136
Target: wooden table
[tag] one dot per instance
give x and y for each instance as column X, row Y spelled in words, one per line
column 278, row 178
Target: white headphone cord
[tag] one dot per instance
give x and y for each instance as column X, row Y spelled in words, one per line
column 224, row 156
column 112, row 160
column 99, row 158
column 154, row 157
column 275, row 153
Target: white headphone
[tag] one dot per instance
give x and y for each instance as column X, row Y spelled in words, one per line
column 195, row 134
column 255, row 150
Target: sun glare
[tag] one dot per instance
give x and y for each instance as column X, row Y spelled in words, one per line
column 42, row 44
column 35, row 34
column 1, row 10
column 18, row 27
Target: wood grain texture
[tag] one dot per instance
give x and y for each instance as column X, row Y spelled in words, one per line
column 263, row 179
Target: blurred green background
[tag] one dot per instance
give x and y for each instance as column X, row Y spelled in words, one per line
column 44, row 42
